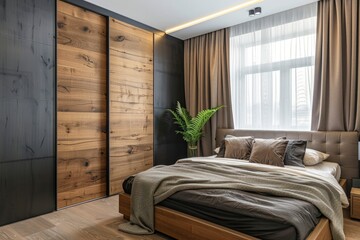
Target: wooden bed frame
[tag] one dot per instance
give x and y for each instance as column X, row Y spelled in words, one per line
column 183, row 226
column 342, row 147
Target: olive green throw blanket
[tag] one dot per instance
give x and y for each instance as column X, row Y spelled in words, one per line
column 158, row 183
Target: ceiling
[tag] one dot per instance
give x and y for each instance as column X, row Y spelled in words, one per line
column 165, row 14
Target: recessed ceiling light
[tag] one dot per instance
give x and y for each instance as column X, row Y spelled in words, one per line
column 211, row 16
column 252, row 13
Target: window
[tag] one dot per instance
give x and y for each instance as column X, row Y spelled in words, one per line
column 272, row 70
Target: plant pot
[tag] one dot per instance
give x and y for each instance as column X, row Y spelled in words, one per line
column 192, row 150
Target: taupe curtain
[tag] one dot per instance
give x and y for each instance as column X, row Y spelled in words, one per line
column 207, row 83
column 336, row 89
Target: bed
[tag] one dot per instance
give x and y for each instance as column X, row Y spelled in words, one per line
column 342, row 146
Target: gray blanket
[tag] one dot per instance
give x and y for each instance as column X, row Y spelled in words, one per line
column 156, row 184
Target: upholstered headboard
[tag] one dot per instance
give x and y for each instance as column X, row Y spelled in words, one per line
column 342, row 146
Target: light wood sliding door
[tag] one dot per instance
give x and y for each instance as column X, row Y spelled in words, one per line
column 131, row 102
column 81, row 103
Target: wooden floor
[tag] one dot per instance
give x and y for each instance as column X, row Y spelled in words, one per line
column 351, row 227
column 98, row 220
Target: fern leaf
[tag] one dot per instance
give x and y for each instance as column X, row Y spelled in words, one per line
column 183, row 113
column 191, row 127
column 178, row 120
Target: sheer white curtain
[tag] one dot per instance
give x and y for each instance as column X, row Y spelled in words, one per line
column 272, row 70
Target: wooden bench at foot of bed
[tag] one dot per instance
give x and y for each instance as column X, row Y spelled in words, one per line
column 183, row 226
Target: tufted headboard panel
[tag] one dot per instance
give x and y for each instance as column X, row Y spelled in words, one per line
column 342, row 146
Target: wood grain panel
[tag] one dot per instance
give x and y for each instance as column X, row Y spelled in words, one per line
column 80, row 13
column 78, row 195
column 80, row 33
column 124, row 166
column 81, row 113
column 130, row 70
column 131, row 126
column 81, row 131
column 131, row 102
column 132, row 42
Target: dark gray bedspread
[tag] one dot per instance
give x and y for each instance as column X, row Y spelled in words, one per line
column 258, row 215
column 253, row 226
column 280, row 212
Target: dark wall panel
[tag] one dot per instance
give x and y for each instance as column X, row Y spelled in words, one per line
column 26, row 99
column 28, row 19
column 165, row 127
column 168, row 89
column 27, row 81
column 27, row 189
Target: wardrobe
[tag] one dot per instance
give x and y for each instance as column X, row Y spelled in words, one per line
column 104, row 103
column 84, row 93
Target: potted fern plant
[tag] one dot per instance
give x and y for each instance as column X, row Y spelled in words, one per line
column 191, row 127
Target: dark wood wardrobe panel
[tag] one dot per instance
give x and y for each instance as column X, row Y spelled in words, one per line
column 27, row 189
column 131, row 102
column 28, row 20
column 27, row 83
column 81, row 113
column 26, row 99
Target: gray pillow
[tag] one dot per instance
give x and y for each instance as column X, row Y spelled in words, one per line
column 268, row 151
column 238, row 147
column 295, row 152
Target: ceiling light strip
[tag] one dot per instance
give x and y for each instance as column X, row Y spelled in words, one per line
column 211, row 16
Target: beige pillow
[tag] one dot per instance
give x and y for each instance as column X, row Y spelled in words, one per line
column 313, row 157
column 268, row 151
column 238, row 147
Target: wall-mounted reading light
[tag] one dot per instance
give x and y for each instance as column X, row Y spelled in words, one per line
column 255, row 11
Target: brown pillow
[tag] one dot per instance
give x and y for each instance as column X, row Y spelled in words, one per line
column 221, row 152
column 238, row 147
column 268, row 151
